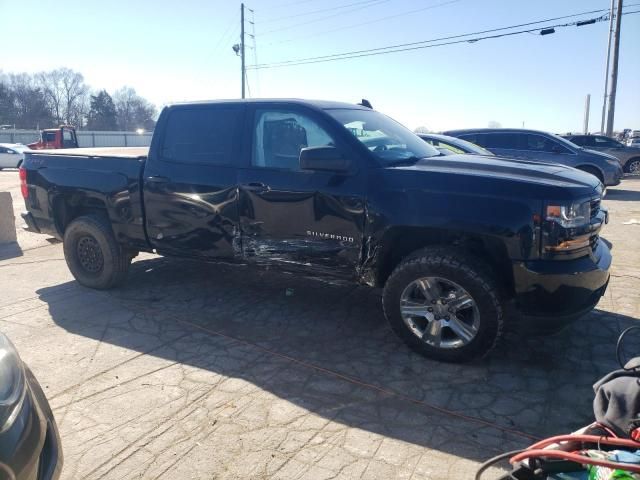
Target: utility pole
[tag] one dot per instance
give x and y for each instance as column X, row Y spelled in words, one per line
column 606, row 70
column 614, row 71
column 242, row 46
column 587, row 104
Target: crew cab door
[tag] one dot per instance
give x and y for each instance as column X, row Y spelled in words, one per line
column 299, row 220
column 190, row 181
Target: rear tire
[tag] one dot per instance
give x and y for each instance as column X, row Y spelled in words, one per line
column 462, row 322
column 93, row 256
column 593, row 171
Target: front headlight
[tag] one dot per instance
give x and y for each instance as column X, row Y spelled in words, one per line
column 12, row 387
column 570, row 216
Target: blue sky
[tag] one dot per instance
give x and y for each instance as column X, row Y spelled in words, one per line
column 177, row 50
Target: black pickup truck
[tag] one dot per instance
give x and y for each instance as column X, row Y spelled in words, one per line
column 461, row 244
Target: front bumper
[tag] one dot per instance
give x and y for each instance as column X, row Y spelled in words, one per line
column 30, row 449
column 614, row 176
column 557, row 292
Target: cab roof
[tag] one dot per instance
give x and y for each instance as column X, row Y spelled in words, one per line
column 318, row 104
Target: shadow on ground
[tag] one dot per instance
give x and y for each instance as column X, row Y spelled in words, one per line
column 327, row 349
column 621, row 195
column 10, row 250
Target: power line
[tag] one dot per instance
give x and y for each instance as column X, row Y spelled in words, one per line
column 443, row 38
column 351, row 54
column 225, row 34
column 393, row 49
column 360, row 24
column 288, row 4
column 313, row 12
column 371, row 3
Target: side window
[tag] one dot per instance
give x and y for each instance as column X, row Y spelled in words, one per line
column 604, row 142
column 280, row 135
column 501, row 140
column 538, row 143
column 201, row 135
column 581, row 141
column 49, row 137
column 67, row 139
column 477, row 138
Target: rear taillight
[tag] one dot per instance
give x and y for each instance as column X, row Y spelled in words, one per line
column 23, row 183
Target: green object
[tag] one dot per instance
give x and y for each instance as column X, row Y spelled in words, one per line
column 604, row 473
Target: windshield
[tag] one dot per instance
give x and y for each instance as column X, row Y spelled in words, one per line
column 389, row 141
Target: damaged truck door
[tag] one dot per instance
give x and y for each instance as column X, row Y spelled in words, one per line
column 190, row 182
column 301, row 201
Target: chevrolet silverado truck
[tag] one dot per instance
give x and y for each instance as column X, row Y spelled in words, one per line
column 461, row 245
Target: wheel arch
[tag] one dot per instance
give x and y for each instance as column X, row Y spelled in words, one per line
column 66, row 208
column 399, row 243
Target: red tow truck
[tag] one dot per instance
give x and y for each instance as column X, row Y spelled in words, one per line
column 62, row 137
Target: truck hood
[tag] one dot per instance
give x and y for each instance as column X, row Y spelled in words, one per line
column 534, row 177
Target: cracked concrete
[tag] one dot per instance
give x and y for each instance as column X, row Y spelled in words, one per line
column 197, row 370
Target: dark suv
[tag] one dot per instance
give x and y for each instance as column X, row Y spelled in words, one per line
column 628, row 156
column 544, row 147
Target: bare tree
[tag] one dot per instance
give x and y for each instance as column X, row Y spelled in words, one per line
column 28, row 101
column 66, row 94
column 422, row 129
column 494, row 124
column 133, row 111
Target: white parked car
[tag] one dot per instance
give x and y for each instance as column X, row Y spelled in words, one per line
column 11, row 154
column 633, row 142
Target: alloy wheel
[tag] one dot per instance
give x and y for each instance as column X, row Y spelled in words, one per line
column 440, row 312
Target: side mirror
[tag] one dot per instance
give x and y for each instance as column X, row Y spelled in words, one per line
column 326, row 159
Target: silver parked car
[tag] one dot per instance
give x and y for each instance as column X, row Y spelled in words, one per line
column 629, row 155
column 11, row 154
column 545, row 147
column 452, row 145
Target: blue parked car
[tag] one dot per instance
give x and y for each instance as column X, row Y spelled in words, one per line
column 544, row 147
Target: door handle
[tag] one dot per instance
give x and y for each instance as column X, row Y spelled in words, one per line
column 157, row 179
column 257, row 187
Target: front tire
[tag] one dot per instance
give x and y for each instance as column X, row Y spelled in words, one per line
column 445, row 305
column 633, row 166
column 93, row 256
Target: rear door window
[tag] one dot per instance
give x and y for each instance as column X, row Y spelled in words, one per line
column 477, row 138
column 501, row 140
column 202, row 135
column 540, row 143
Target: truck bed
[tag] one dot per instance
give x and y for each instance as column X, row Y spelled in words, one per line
column 64, row 183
